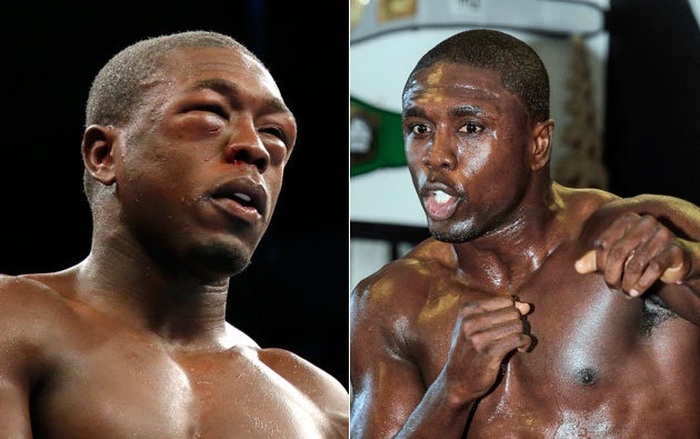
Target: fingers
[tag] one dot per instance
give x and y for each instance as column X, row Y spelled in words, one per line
column 633, row 253
column 496, row 325
column 486, row 332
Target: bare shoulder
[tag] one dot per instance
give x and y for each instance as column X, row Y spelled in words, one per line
column 301, row 373
column 313, row 383
column 23, row 299
column 400, row 284
column 305, row 376
column 384, row 305
column 32, row 319
column 581, row 203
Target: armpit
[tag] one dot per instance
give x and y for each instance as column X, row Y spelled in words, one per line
column 654, row 313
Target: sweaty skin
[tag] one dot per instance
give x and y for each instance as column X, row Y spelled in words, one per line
column 132, row 341
column 491, row 332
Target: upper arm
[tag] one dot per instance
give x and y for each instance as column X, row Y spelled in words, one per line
column 17, row 360
column 385, row 385
column 14, row 404
column 680, row 216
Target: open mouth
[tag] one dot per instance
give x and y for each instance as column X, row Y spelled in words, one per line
column 243, row 199
column 439, row 201
column 440, row 205
column 242, row 196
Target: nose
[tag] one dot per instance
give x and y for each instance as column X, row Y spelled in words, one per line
column 439, row 153
column 245, row 145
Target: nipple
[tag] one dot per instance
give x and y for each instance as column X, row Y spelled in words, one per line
column 587, row 376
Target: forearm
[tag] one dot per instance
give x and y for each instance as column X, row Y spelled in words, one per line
column 439, row 414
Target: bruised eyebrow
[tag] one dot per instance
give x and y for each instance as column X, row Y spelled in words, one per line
column 232, row 93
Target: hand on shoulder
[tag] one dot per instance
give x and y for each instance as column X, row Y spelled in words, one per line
column 636, row 242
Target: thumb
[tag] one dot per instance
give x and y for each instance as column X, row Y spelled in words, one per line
column 672, row 275
column 523, row 307
column 586, row 263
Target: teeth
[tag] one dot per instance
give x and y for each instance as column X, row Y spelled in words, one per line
column 242, row 196
column 441, row 197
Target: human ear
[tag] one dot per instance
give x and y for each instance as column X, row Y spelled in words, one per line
column 541, row 144
column 97, row 151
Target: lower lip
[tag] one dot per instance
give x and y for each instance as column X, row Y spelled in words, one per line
column 440, row 211
column 246, row 213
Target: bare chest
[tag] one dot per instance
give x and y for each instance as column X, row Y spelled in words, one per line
column 599, row 358
column 129, row 388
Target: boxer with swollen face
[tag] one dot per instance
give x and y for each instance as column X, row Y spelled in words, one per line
column 186, row 141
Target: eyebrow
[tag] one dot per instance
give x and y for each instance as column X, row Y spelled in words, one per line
column 467, row 110
column 232, row 92
column 459, row 111
column 413, row 112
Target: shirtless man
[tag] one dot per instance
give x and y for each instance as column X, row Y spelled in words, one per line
column 534, row 310
column 186, row 140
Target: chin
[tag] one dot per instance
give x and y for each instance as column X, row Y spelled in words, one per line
column 222, row 259
column 453, row 233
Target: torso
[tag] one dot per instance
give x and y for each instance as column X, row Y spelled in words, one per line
column 603, row 366
column 102, row 378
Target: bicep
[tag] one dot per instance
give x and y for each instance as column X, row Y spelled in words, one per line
column 14, row 406
column 386, row 386
column 21, row 330
column 385, row 392
column 14, row 380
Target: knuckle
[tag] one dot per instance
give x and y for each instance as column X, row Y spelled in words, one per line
column 479, row 343
column 617, row 253
column 634, row 266
column 628, row 217
column 466, row 327
column 467, row 308
column 676, row 249
column 663, row 233
column 601, row 244
column 655, row 266
column 647, row 219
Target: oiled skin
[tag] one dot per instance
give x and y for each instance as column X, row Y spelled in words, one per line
column 603, row 365
column 500, row 325
column 94, row 375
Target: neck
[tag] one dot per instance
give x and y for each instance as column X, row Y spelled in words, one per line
column 181, row 309
column 505, row 257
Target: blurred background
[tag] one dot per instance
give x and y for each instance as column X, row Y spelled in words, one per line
column 294, row 295
column 625, row 87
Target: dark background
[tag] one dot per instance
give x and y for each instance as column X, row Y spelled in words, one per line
column 294, row 295
column 652, row 140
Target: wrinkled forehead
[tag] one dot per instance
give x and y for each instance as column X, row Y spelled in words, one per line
column 192, row 62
